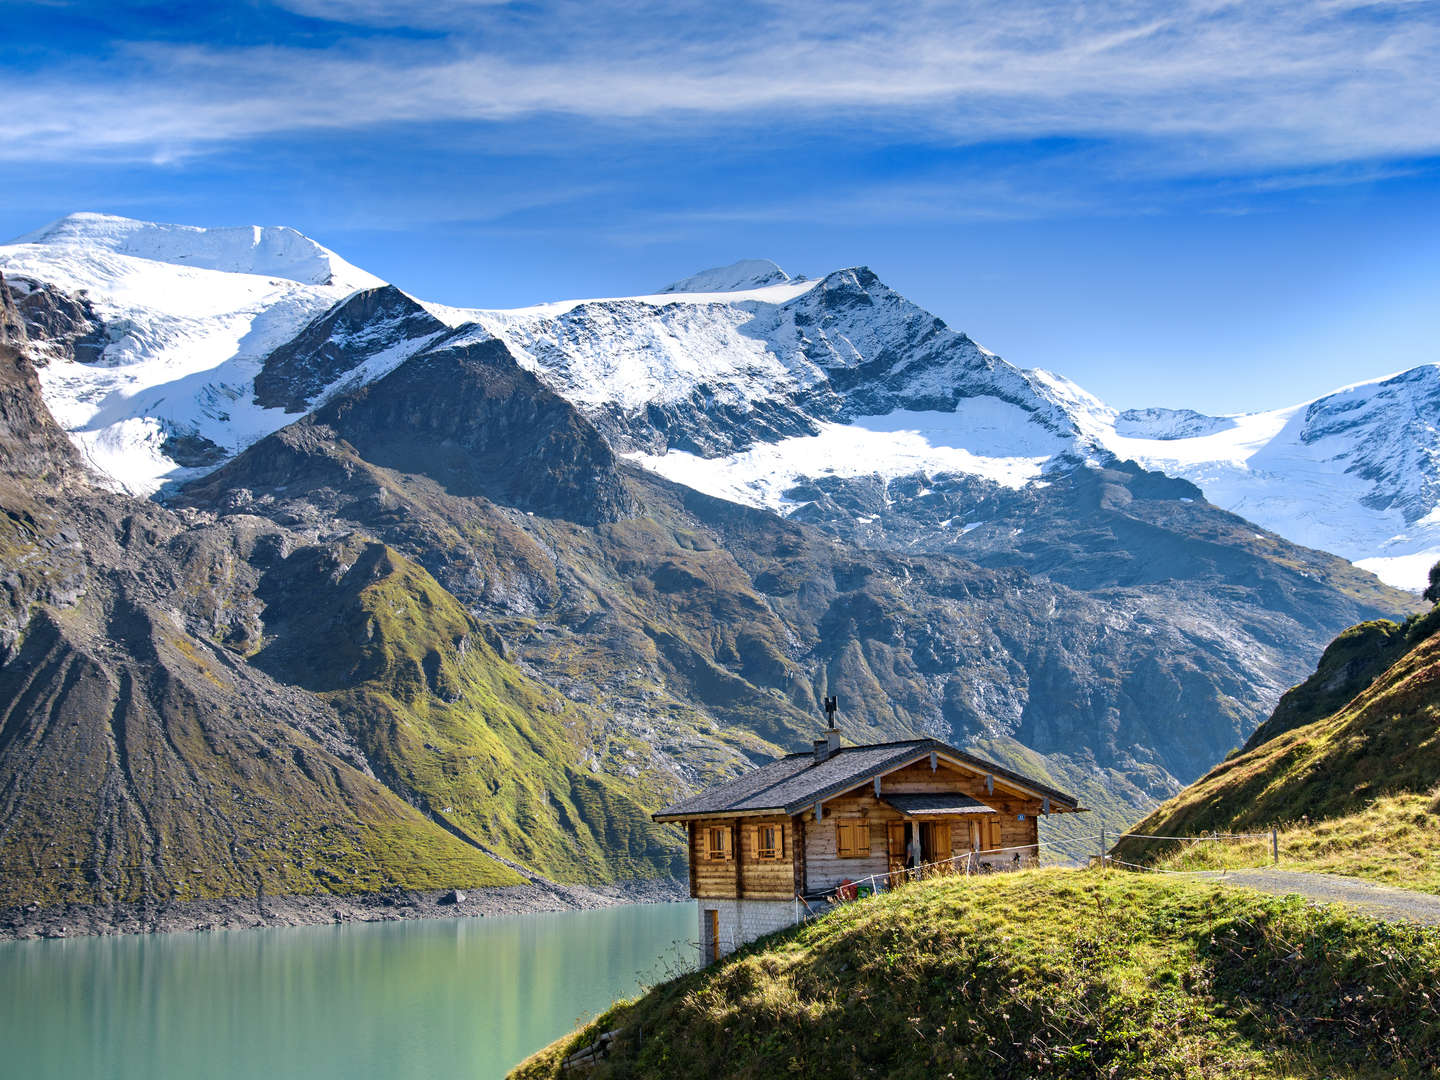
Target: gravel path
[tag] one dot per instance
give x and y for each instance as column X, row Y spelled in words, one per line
column 1381, row 901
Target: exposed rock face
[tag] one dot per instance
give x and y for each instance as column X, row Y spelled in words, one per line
column 372, row 324
column 55, row 325
column 12, row 326
column 32, row 447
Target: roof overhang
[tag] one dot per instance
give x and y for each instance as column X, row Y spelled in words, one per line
column 1051, row 800
column 775, row 811
column 938, row 805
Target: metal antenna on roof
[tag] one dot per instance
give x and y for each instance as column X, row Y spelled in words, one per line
column 830, row 706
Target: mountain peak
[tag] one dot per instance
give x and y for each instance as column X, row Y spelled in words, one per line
column 270, row 251
column 745, row 274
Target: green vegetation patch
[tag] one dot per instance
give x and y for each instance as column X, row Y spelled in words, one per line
column 460, row 731
column 1047, row 973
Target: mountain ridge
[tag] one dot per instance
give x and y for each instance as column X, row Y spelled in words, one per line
column 693, row 383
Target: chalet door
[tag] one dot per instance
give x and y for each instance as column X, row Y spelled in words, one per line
column 895, row 847
column 710, row 931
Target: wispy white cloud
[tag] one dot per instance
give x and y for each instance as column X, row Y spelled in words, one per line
column 1218, row 85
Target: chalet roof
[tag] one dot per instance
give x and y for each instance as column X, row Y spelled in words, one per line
column 791, row 783
column 937, row 804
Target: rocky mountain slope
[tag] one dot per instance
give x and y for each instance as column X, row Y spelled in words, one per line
column 137, row 758
column 176, row 725
column 435, row 545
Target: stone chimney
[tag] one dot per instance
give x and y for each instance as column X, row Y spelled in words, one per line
column 831, row 743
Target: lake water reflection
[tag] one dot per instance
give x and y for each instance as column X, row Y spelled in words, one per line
column 446, row 998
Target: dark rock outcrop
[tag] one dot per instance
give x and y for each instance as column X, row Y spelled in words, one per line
column 365, row 325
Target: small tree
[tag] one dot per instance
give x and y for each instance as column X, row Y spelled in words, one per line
column 1432, row 591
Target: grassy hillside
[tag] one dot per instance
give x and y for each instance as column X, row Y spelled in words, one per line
column 1349, row 665
column 450, row 723
column 1048, row 973
column 1394, row 841
column 1361, row 769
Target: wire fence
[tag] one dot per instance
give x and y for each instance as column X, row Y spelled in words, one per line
column 1024, row 856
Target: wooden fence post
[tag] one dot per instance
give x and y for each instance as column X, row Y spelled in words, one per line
column 1275, row 845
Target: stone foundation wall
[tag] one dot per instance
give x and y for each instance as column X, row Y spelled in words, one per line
column 744, row 920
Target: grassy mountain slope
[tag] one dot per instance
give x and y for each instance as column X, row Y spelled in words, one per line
column 1349, row 664
column 1382, row 743
column 1046, row 973
column 139, row 759
column 443, row 718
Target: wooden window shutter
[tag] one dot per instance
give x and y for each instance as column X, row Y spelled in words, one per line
column 769, row 842
column 852, row 838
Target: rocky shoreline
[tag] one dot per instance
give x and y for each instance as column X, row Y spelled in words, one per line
column 29, row 921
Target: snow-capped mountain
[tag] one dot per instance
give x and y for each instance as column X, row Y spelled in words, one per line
column 742, row 382
column 182, row 320
column 1356, row 472
column 785, row 371
column 745, row 274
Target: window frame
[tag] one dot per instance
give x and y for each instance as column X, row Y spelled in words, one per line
column 775, row 852
column 725, row 851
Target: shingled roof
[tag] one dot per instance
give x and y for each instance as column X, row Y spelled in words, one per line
column 789, row 784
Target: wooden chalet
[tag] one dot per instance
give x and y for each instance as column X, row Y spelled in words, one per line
column 782, row 839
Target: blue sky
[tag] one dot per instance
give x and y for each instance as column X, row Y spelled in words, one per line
column 1205, row 204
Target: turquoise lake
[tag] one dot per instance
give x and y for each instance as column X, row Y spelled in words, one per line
column 454, row 998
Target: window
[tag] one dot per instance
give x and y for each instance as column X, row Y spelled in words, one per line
column 717, row 842
column 852, row 839
column 769, row 840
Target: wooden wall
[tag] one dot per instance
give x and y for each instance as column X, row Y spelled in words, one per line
column 824, row 868
column 747, row 877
